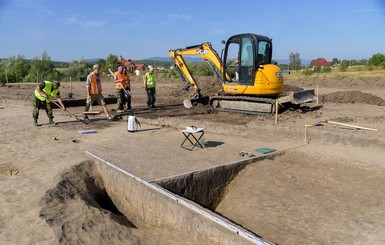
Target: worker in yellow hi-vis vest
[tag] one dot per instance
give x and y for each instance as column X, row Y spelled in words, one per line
column 44, row 94
column 149, row 84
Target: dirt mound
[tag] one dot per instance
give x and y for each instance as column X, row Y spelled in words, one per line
column 352, row 97
column 81, row 189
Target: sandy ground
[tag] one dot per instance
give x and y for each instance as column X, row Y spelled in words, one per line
column 326, row 189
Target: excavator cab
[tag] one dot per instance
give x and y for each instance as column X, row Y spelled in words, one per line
column 249, row 52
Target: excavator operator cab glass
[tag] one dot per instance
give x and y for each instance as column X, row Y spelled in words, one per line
column 264, row 53
column 247, row 66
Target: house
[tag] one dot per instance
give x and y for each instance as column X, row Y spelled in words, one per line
column 320, row 62
column 128, row 63
column 138, row 69
column 141, row 69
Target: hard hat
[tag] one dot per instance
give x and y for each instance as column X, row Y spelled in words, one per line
column 56, row 83
column 150, row 68
column 96, row 66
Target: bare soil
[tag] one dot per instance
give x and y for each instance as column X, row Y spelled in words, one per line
column 326, row 188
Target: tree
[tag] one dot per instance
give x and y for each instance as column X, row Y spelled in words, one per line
column 295, row 61
column 335, row 61
column 112, row 63
column 377, row 60
column 77, row 69
column 344, row 65
column 42, row 69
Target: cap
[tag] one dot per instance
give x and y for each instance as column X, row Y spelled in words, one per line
column 56, row 83
column 96, row 66
column 150, row 68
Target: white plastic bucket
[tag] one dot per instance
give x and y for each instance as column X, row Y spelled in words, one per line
column 131, row 127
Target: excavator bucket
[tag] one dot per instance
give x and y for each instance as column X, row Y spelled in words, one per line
column 299, row 97
column 189, row 103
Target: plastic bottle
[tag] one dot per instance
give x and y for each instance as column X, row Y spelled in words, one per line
column 202, row 142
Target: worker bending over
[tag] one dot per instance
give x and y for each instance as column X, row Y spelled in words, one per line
column 45, row 92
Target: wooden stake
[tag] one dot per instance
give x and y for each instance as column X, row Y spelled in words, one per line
column 276, row 112
column 352, row 126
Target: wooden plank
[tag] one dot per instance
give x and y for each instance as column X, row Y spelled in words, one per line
column 352, row 126
column 91, row 112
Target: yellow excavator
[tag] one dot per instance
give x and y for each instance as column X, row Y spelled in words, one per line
column 250, row 83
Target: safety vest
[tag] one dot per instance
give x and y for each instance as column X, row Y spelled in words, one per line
column 48, row 90
column 94, row 89
column 121, row 76
column 150, row 78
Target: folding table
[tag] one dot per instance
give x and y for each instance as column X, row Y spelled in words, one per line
column 192, row 135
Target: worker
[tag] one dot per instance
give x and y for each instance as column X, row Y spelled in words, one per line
column 236, row 70
column 44, row 94
column 94, row 92
column 149, row 84
column 247, row 59
column 122, row 85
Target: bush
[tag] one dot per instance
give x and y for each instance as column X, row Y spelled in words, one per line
column 326, row 69
column 308, row 72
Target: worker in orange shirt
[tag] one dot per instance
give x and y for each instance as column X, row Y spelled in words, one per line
column 122, row 85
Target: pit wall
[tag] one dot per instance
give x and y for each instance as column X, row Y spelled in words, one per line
column 207, row 187
column 149, row 204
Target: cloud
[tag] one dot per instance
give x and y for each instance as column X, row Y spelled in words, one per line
column 83, row 22
column 180, row 16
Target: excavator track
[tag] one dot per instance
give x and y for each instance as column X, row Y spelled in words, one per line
column 243, row 104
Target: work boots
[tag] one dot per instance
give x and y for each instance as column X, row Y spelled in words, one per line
column 35, row 122
column 51, row 122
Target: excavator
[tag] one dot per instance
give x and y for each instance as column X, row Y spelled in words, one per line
column 251, row 84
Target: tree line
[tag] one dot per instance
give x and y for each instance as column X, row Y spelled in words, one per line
column 377, row 61
column 18, row 69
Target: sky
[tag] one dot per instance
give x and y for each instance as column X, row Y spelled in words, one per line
column 81, row 29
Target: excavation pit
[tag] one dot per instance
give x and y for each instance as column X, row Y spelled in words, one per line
column 281, row 198
column 111, row 192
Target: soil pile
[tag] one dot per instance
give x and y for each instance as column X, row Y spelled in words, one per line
column 352, row 97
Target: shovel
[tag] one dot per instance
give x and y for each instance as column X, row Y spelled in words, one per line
column 70, row 114
column 57, row 104
column 127, row 93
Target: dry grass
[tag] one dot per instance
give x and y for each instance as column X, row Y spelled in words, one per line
column 338, row 75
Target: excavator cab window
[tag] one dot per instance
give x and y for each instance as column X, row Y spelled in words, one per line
column 247, row 66
column 264, row 53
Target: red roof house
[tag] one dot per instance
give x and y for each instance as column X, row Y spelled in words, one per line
column 139, row 69
column 320, row 62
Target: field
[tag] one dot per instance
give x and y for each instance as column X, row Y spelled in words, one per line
column 326, row 187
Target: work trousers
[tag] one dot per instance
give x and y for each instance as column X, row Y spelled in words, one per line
column 150, row 97
column 122, row 99
column 38, row 104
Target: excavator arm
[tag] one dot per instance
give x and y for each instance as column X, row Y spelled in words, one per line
column 207, row 53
